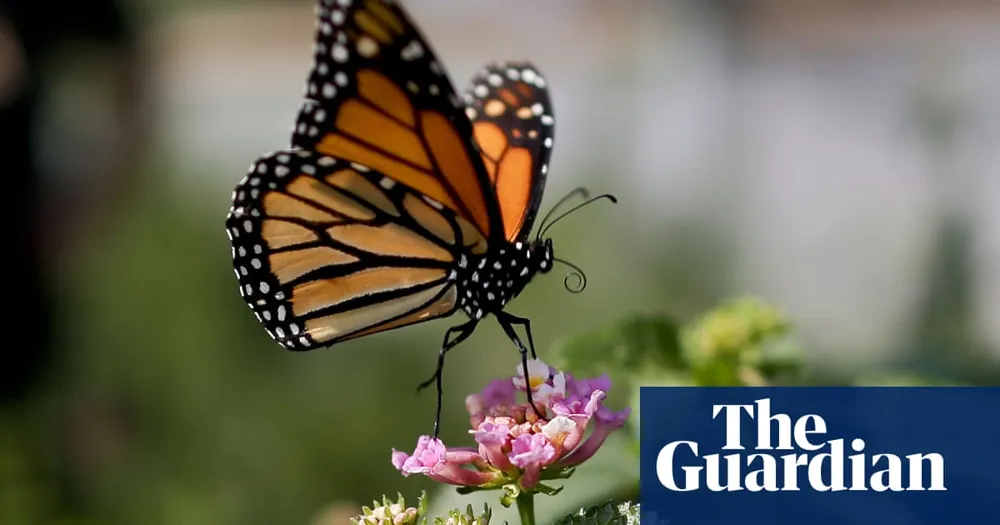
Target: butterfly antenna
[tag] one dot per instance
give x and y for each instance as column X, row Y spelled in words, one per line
column 577, row 275
column 607, row 196
column 576, row 191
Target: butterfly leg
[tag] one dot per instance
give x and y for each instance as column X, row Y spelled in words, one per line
column 526, row 323
column 463, row 331
column 507, row 322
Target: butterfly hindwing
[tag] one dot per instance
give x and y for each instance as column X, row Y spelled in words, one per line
column 378, row 95
column 511, row 114
column 327, row 250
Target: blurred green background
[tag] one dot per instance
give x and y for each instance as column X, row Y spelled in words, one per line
column 838, row 159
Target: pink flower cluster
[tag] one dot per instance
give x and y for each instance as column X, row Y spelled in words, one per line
column 514, row 444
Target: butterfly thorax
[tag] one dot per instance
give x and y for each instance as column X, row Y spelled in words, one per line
column 487, row 282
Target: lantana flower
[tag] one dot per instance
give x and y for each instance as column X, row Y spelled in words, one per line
column 516, row 449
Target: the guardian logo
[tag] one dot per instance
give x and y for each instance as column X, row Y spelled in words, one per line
column 802, row 458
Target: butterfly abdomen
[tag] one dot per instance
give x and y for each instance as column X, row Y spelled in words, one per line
column 486, row 283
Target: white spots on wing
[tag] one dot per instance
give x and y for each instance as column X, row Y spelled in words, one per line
column 367, row 47
column 255, row 262
column 322, row 68
column 283, row 158
column 387, row 183
column 480, row 90
column 435, row 68
column 434, row 203
column 412, row 51
column 545, row 169
column 281, row 171
column 548, row 142
column 337, row 17
column 495, row 80
column 360, row 167
column 264, row 288
column 537, row 109
column 340, row 78
column 325, row 28
column 497, row 265
column 320, row 116
column 329, row 91
column 281, row 308
column 513, row 74
column 261, row 168
column 524, row 271
column 326, row 162
column 248, row 226
column 547, row 120
column 433, row 89
column 471, row 113
column 529, row 76
column 309, row 169
column 339, row 52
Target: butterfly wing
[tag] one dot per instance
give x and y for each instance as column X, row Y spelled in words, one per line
column 511, row 114
column 378, row 95
column 327, row 250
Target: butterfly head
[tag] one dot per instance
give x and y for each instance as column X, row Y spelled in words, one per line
column 576, row 281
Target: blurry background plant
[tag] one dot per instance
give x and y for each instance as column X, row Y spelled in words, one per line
column 838, row 159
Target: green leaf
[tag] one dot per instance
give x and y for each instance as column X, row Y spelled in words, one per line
column 604, row 514
column 638, row 345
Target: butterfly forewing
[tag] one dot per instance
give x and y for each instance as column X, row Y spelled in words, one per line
column 377, row 95
column 326, row 249
column 511, row 114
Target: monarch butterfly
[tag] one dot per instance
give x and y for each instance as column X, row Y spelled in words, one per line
column 398, row 202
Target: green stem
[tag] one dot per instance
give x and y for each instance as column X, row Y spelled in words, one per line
column 526, row 507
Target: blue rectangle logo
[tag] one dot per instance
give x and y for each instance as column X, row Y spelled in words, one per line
column 818, row 455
